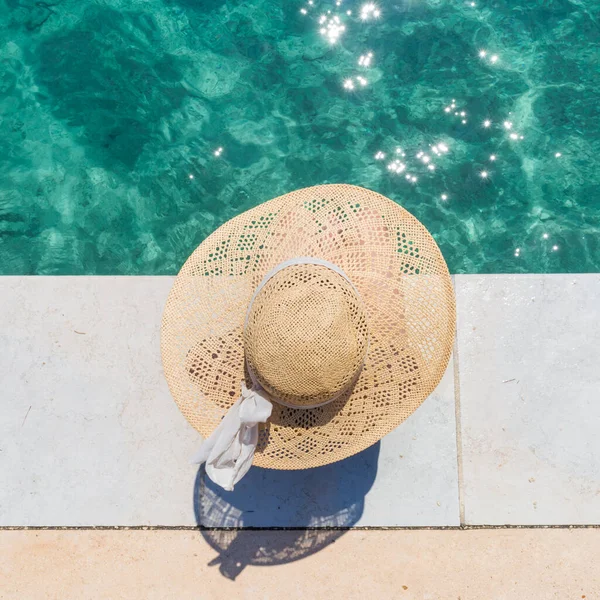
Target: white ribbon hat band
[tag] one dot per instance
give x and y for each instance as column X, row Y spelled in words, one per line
column 229, row 451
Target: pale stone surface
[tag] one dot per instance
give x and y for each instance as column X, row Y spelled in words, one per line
column 528, row 353
column 500, row 564
column 89, row 434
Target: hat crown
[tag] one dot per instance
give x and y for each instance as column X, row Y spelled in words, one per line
column 306, row 335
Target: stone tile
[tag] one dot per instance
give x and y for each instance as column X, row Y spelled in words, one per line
column 425, row 565
column 409, row 478
column 529, row 390
column 89, row 434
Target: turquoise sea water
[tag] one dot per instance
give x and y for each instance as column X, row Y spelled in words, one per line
column 112, row 115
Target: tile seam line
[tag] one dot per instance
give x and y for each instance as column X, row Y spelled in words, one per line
column 365, row 528
column 457, row 416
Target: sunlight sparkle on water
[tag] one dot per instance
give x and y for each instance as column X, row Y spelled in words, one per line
column 369, row 11
column 349, row 83
column 439, row 149
column 397, row 166
column 365, row 60
column 333, row 28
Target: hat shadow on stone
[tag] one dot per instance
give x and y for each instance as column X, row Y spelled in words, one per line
column 275, row 517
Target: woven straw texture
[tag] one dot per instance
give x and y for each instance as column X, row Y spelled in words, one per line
column 306, row 335
column 406, row 295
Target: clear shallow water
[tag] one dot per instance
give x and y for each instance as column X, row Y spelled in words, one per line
column 111, row 114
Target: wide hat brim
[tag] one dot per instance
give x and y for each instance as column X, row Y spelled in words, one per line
column 401, row 276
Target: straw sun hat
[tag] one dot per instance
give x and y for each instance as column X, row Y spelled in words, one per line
column 304, row 330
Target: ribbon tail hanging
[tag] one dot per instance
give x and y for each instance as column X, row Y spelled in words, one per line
column 229, row 451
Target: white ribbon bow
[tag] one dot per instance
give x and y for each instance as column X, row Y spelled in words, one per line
column 229, row 451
